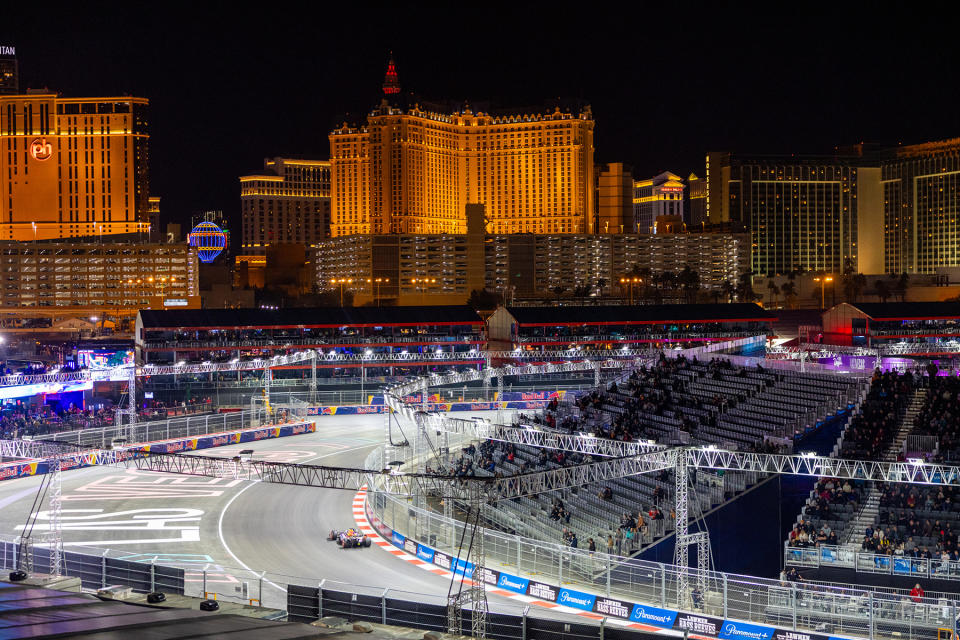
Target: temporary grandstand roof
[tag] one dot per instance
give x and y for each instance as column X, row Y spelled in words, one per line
column 305, row 318
column 908, row 310
column 640, row 314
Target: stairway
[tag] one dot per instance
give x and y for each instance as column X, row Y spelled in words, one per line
column 906, row 425
column 870, row 511
column 853, row 535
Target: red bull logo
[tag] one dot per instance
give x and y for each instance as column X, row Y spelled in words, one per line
column 261, row 435
column 236, row 437
column 29, row 469
column 193, row 444
column 12, row 471
column 275, row 433
column 220, row 441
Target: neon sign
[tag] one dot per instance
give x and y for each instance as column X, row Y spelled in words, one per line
column 40, row 149
column 209, row 240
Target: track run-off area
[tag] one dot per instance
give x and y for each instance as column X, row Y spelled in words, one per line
column 227, row 532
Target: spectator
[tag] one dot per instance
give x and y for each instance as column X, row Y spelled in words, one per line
column 916, row 594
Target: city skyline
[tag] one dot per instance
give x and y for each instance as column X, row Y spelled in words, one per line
column 662, row 98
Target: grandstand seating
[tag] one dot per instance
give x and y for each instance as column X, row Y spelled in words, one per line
column 676, row 401
column 871, row 431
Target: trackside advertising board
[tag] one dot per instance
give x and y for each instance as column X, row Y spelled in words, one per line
column 366, row 409
column 27, row 468
column 651, row 616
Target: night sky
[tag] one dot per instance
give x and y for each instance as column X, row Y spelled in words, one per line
column 667, row 82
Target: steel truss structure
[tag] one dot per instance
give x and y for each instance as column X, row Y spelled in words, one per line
column 915, row 472
column 402, row 483
column 532, row 436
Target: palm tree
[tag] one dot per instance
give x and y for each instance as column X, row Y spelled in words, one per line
column 558, row 291
column 689, row 281
column 728, row 289
column 789, row 291
column 882, row 289
column 774, row 291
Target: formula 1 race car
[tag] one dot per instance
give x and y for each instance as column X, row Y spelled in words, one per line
column 349, row 538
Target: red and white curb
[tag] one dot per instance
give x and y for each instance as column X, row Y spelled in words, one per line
column 360, row 516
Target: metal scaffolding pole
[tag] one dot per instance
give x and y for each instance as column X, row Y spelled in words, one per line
column 313, row 376
column 55, row 534
column 681, row 557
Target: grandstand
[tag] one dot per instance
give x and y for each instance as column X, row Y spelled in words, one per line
column 220, row 335
column 595, row 327
column 675, row 401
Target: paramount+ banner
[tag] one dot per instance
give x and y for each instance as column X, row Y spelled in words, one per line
column 640, row 614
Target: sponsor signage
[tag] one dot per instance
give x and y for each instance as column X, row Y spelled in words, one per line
column 489, row 576
column 576, row 599
column 7, row 51
column 780, row 634
column 733, row 630
column 175, row 302
column 513, row 583
column 610, row 607
column 466, row 568
column 425, row 553
column 652, row 615
column 698, row 624
column 542, row 591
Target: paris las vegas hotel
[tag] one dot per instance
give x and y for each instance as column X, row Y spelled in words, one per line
column 413, row 170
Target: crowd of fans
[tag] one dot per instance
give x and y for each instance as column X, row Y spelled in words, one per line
column 829, row 495
column 871, row 432
column 940, row 416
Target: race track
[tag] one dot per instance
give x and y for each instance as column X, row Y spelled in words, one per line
column 232, row 528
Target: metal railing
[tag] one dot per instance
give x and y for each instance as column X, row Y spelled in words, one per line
column 183, row 427
column 863, row 562
column 840, row 610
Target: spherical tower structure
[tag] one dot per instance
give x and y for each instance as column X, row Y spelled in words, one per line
column 209, row 241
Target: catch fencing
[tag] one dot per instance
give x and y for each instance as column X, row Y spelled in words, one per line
column 183, row 427
column 844, row 611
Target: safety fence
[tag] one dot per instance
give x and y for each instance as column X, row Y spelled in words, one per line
column 183, row 427
column 96, row 570
column 615, row 583
column 836, row 556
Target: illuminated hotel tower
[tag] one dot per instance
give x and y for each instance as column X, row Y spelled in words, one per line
column 410, row 170
column 72, row 166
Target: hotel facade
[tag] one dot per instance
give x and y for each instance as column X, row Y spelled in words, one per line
column 413, row 171
column 73, row 167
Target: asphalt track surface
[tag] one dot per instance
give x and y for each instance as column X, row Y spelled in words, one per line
column 231, row 528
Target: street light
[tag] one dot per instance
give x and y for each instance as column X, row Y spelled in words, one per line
column 377, row 282
column 823, row 283
column 341, row 282
column 423, row 286
column 629, row 282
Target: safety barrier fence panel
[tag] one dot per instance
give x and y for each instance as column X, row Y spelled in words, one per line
column 809, row 608
column 429, row 612
column 99, row 569
column 183, row 427
column 835, row 556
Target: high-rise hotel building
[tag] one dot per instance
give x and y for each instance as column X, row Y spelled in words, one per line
column 289, row 202
column 413, row 170
column 72, row 167
column 921, row 207
column 802, row 212
column 894, row 210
